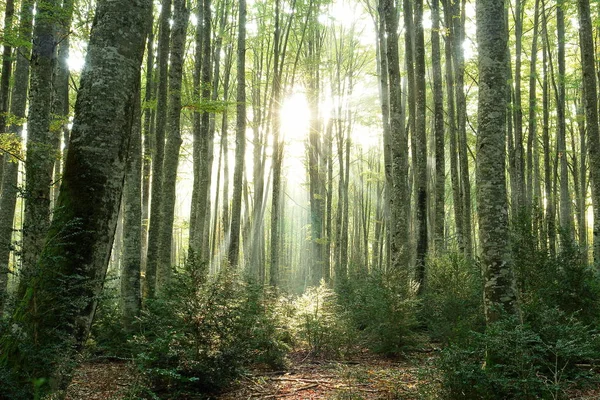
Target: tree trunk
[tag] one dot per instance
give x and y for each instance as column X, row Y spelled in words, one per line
column 8, row 200
column 131, row 295
column 75, row 258
column 60, row 101
column 591, row 114
column 40, row 149
column 158, row 155
column 240, row 139
column 438, row 111
column 421, row 140
column 400, row 196
column 566, row 215
column 149, row 112
column 499, row 293
column 452, row 131
column 171, row 161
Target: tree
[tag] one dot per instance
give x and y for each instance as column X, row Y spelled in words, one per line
column 10, row 176
column 158, row 154
column 72, row 268
column 399, row 198
column 438, row 110
column 131, row 295
column 39, row 166
column 171, row 161
column 240, row 140
column 499, row 294
column 591, row 113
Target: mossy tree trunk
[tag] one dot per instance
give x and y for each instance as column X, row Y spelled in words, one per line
column 57, row 311
column 173, row 145
column 158, row 154
column 39, row 165
column 439, row 131
column 399, row 144
column 131, row 295
column 499, row 292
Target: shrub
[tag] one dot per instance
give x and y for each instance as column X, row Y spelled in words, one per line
column 383, row 311
column 201, row 335
column 453, row 299
column 320, row 324
column 521, row 361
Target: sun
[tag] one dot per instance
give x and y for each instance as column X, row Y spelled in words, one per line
column 295, row 117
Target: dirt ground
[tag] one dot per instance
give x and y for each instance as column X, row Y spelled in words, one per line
column 362, row 377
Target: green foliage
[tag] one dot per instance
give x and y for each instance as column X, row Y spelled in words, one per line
column 383, row 311
column 200, row 337
column 320, row 324
column 108, row 337
column 522, row 361
column 453, row 299
column 534, row 357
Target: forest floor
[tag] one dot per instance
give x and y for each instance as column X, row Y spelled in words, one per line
column 364, row 376
column 361, row 377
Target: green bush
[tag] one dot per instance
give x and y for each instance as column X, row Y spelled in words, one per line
column 201, row 335
column 108, row 337
column 383, row 310
column 453, row 299
column 320, row 324
column 518, row 361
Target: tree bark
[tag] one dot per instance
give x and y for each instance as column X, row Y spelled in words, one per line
column 72, row 268
column 240, row 139
column 421, row 148
column 400, row 196
column 171, row 161
column 438, row 115
column 158, row 155
column 499, row 293
column 591, row 114
column 10, row 190
column 131, row 295
column 40, row 149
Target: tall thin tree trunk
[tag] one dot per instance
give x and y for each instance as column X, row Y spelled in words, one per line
column 591, row 114
column 421, row 140
column 499, row 293
column 171, row 160
column 39, row 166
column 240, row 138
column 8, row 200
column 400, row 195
column 438, row 111
column 158, row 156
column 149, row 140
column 566, row 215
column 452, row 131
column 131, row 295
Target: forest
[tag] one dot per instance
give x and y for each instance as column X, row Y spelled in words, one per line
column 299, row 199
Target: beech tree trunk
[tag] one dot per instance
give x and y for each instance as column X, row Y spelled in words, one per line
column 72, row 268
column 439, row 131
column 240, row 140
column 8, row 200
column 400, row 196
column 171, row 161
column 158, row 155
column 39, row 166
column 131, row 295
column 591, row 114
column 499, row 292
